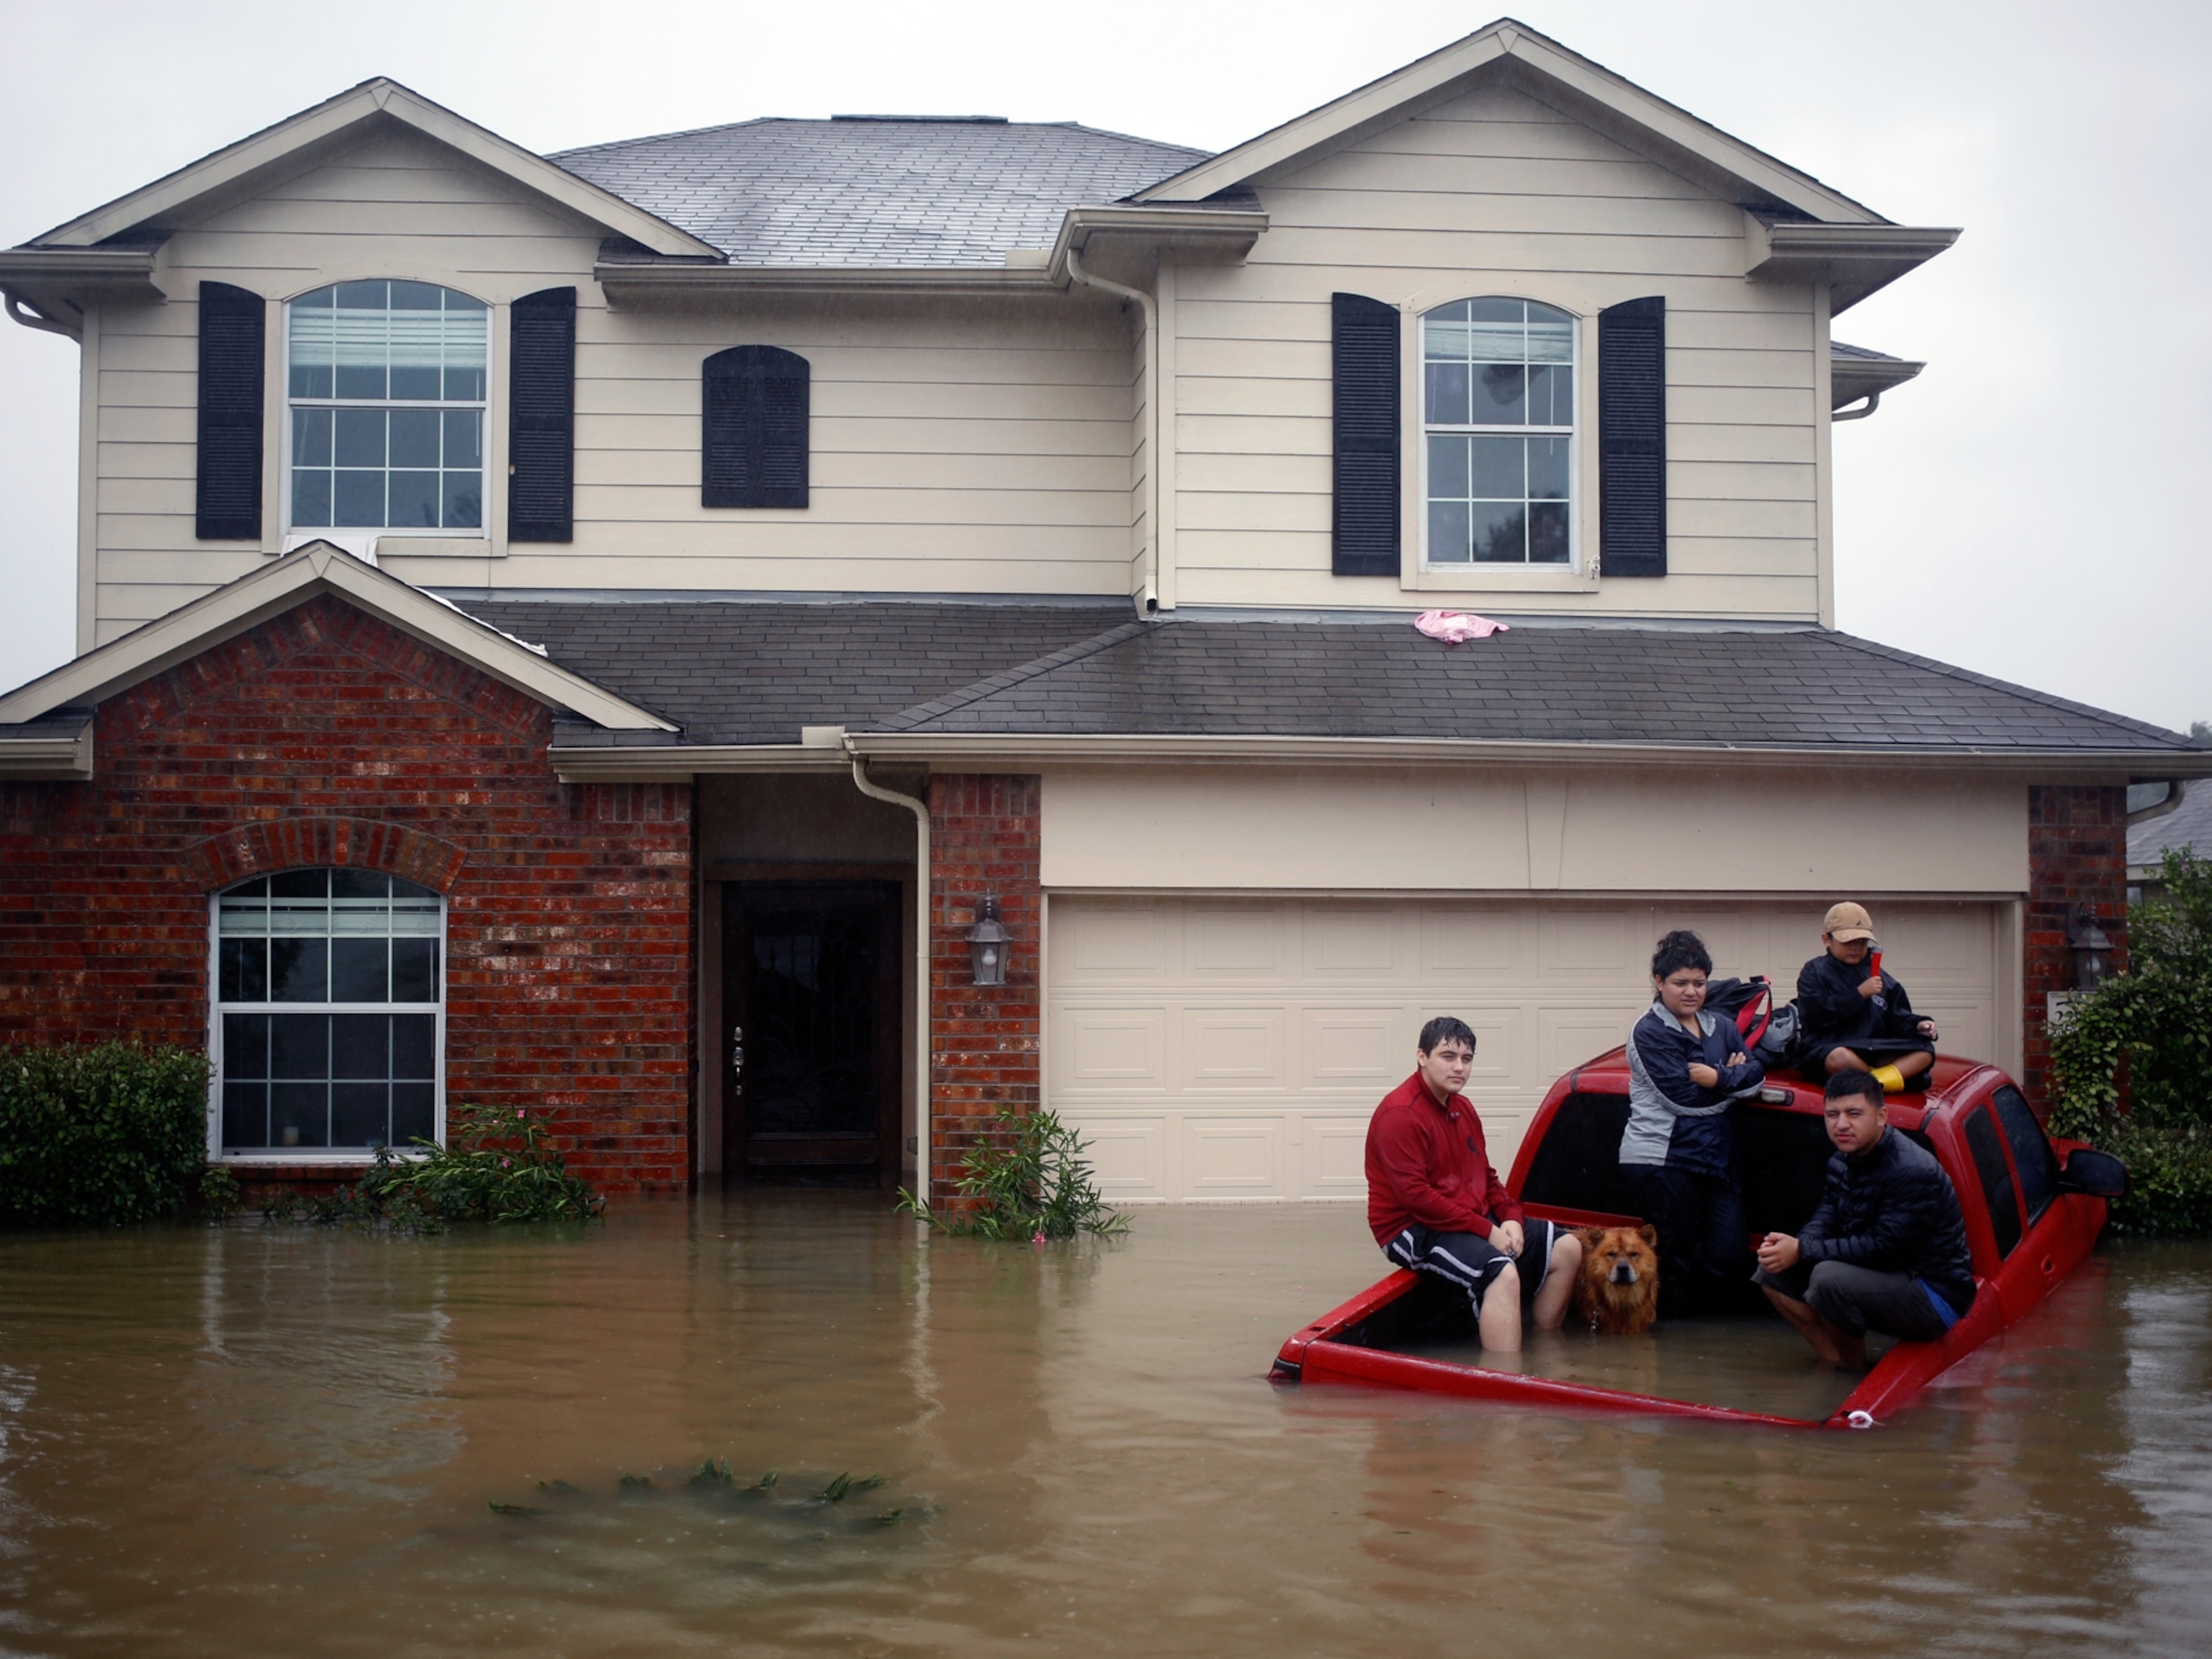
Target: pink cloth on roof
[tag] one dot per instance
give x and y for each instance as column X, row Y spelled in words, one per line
column 1456, row 627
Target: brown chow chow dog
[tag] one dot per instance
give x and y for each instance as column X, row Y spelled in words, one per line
column 1618, row 1289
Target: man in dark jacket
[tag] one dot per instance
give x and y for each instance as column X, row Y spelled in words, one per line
column 1437, row 1206
column 1852, row 1017
column 1886, row 1250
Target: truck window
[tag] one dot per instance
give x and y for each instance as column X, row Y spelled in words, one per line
column 2031, row 1151
column 1997, row 1179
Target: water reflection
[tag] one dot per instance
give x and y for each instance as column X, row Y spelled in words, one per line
column 291, row 1441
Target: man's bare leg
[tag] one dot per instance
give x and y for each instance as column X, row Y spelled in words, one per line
column 1843, row 1060
column 1828, row 1340
column 1913, row 1065
column 1551, row 1309
column 1500, row 1321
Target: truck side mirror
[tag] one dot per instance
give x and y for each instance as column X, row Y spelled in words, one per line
column 2099, row 1174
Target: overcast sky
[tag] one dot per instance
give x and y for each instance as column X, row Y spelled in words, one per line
column 2021, row 509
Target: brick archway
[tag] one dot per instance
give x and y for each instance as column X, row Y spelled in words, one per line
column 258, row 848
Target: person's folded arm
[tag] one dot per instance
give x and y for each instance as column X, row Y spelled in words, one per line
column 1667, row 1063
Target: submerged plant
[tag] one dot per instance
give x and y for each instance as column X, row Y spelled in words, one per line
column 1026, row 1179
column 496, row 1165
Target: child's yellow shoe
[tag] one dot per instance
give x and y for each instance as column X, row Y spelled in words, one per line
column 1892, row 1079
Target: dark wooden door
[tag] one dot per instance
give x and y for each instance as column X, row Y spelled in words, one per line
column 811, row 992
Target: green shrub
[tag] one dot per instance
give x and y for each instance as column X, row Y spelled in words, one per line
column 2156, row 1020
column 494, row 1166
column 101, row 1135
column 1028, row 1180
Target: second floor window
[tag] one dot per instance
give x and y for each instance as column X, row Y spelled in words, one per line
column 387, row 385
column 1498, row 403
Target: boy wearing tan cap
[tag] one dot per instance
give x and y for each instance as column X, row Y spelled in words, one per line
column 1855, row 1018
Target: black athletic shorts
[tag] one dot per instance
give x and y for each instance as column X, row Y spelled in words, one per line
column 1472, row 1262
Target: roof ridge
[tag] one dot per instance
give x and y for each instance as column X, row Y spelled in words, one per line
column 1875, row 647
column 976, row 691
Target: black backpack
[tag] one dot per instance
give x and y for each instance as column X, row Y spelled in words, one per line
column 1748, row 1002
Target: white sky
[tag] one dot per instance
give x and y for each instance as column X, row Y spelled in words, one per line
column 2021, row 509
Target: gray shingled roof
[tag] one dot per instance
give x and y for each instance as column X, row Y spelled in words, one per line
column 876, row 192
column 1798, row 688
column 737, row 672
column 2189, row 824
column 756, row 671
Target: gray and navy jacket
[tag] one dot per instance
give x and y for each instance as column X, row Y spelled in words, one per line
column 1671, row 1120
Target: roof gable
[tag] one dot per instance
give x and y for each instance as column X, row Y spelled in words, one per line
column 234, row 168
column 290, row 581
column 1618, row 107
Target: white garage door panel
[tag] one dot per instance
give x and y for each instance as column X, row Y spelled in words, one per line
column 1213, row 1048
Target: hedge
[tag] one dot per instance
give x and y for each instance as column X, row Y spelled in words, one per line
column 101, row 1135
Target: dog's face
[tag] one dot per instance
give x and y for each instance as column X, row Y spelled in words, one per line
column 1621, row 1256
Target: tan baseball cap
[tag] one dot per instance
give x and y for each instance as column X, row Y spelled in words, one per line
column 1847, row 921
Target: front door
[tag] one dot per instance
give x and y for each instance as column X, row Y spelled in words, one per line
column 810, row 988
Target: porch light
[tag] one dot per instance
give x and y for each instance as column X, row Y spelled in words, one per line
column 987, row 942
column 2093, row 952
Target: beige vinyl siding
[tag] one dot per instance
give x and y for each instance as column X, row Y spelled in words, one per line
column 959, row 445
column 1493, row 192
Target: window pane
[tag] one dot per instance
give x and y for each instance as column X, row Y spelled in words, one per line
column 311, row 500
column 1444, row 332
column 1551, row 335
column 463, row 501
column 299, row 970
column 1547, row 468
column 464, row 441
column 361, row 1046
column 415, row 500
column 415, row 437
column 313, row 343
column 244, row 970
column 1494, row 469
column 414, row 971
column 246, row 1045
column 1447, row 542
column 359, row 437
column 360, row 1114
column 363, row 340
column 246, row 1115
column 414, row 911
column 1501, row 532
column 1447, row 394
column 1551, row 396
column 360, row 884
column 414, row 1047
column 1547, row 532
column 413, row 1114
column 244, row 914
column 464, row 384
column 300, row 884
column 1501, row 397
column 1447, row 467
column 359, row 499
column 311, row 437
column 299, row 1114
column 299, row 1045
column 358, row 972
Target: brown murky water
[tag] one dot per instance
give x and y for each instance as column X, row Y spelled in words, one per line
column 247, row 1441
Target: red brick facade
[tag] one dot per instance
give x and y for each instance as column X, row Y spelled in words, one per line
column 325, row 737
column 2077, row 854
column 985, row 838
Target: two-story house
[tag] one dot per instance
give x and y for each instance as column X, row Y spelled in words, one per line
column 591, row 632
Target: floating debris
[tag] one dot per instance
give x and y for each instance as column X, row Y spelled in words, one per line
column 712, row 1473
column 558, row 1488
column 498, row 1508
column 766, row 1483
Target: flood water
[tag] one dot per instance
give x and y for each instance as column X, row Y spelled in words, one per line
column 251, row 1440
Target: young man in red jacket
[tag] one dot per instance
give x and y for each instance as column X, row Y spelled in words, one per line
column 1437, row 1206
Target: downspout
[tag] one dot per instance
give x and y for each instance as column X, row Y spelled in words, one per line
column 32, row 316
column 924, row 1160
column 1873, row 403
column 1148, row 597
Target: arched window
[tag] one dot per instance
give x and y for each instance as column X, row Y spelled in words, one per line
column 329, row 1013
column 387, row 383
column 1497, row 413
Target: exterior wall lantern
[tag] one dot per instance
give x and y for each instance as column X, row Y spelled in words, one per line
column 988, row 941
column 2093, row 951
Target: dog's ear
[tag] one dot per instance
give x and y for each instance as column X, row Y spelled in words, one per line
column 1650, row 1235
column 1590, row 1236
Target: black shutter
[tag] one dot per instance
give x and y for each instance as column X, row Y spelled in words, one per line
column 754, row 438
column 233, row 328
column 1632, row 438
column 1363, row 364
column 541, row 417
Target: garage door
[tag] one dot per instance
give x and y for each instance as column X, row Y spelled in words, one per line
column 1224, row 1049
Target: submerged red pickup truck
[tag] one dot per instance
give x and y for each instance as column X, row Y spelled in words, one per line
column 2033, row 1207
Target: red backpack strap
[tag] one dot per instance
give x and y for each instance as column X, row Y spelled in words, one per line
column 1757, row 1012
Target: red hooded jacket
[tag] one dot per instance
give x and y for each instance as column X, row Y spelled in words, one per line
column 1426, row 1164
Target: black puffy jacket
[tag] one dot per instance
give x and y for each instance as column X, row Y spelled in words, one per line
column 1893, row 1209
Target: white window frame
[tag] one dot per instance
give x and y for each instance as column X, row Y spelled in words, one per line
column 1477, row 573
column 346, row 1156
column 291, row 532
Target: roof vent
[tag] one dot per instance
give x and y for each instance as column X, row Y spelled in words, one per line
column 969, row 120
